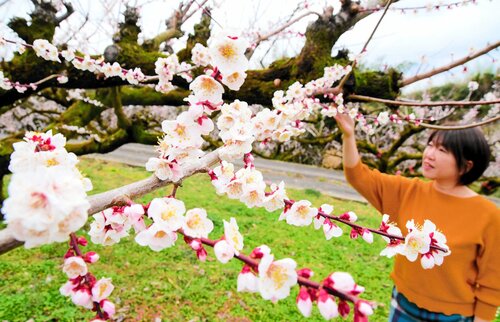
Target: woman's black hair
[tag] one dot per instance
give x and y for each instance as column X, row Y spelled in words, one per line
column 465, row 145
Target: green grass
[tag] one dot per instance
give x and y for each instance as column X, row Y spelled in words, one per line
column 173, row 284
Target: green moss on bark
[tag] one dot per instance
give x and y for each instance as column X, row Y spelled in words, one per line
column 80, row 114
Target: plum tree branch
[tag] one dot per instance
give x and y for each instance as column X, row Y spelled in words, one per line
column 363, row 98
column 416, row 78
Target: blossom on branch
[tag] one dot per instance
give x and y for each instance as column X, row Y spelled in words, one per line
column 276, row 277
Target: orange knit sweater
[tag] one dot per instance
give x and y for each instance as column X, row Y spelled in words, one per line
column 468, row 281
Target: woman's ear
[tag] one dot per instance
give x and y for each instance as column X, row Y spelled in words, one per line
column 468, row 166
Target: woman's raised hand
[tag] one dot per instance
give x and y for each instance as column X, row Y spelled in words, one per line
column 346, row 124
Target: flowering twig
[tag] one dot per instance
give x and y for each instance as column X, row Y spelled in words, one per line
column 74, row 245
column 301, row 280
column 358, row 227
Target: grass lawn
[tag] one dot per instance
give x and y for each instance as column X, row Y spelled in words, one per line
column 172, row 284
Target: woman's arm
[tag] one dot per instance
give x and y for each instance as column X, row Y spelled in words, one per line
column 349, row 148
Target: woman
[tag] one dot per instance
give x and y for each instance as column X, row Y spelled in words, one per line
column 466, row 287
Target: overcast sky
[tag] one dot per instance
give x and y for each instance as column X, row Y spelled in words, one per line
column 412, row 41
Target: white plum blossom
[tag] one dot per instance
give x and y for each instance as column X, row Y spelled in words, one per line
column 247, row 281
column 102, row 289
column 276, row 199
column 45, row 205
column 197, row 224
column 228, row 53
column 318, row 220
column 473, row 85
column 253, row 195
column 223, row 251
column 62, row 79
column 82, row 297
column 5, row 82
column 234, row 80
column 75, row 266
column 233, row 235
column 157, row 237
column 68, row 54
column 164, row 169
column 331, row 230
column 300, row 213
column 46, row 50
column 416, row 242
column 205, row 88
column 394, row 246
column 344, row 283
column 383, row 118
column 434, row 257
column 200, row 55
column 167, row 211
column 276, row 277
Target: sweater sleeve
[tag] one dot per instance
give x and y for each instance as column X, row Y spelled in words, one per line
column 383, row 191
column 487, row 288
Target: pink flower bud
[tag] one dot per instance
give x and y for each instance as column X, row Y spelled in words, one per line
column 82, row 241
column 364, row 308
column 305, row 273
column 202, row 254
column 354, row 233
column 327, row 306
column 195, row 244
column 91, row 257
column 260, row 251
column 344, row 309
column 108, row 307
column 367, row 236
column 212, row 175
column 349, row 216
column 304, row 302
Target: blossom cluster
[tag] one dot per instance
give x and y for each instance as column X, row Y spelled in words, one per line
column 7, row 84
column 82, row 286
column 47, row 194
column 183, row 136
column 247, row 184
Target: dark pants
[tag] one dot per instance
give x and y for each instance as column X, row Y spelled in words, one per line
column 402, row 310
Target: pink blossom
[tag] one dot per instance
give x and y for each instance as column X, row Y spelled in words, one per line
column 108, row 308
column 82, row 297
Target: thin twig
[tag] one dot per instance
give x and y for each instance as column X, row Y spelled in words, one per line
column 346, row 76
column 407, row 103
column 460, row 127
column 461, row 61
column 207, row 12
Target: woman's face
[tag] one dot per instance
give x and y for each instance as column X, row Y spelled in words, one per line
column 439, row 164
